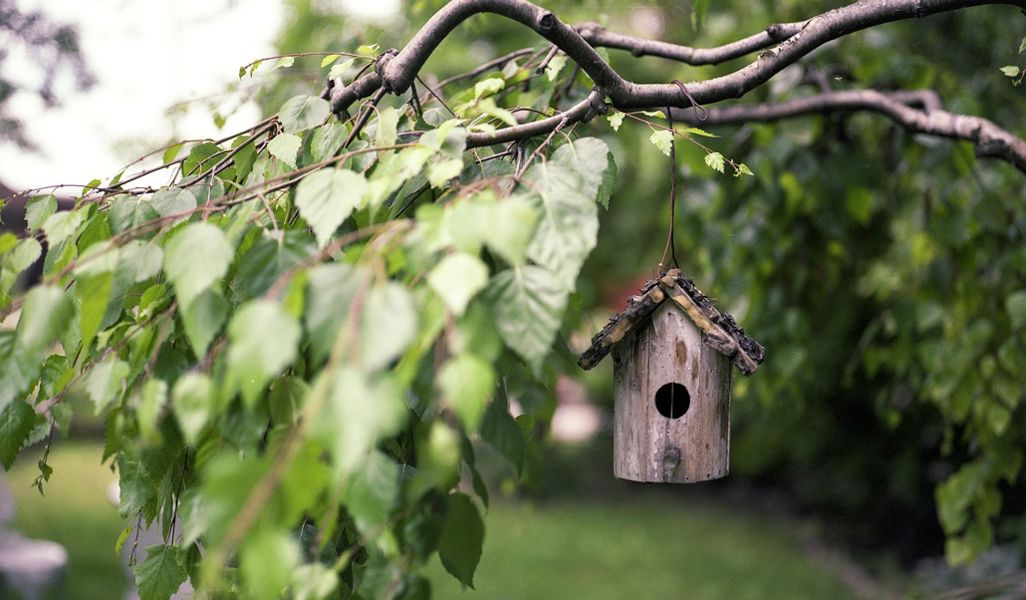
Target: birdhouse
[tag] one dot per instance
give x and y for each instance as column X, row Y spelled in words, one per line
column 672, row 355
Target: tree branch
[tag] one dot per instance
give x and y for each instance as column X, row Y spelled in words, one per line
column 990, row 140
column 398, row 72
column 598, row 36
column 582, row 111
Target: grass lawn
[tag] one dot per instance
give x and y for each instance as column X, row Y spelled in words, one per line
column 658, row 547
column 653, row 546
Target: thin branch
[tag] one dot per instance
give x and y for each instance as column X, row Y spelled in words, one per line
column 495, row 63
column 990, row 140
column 599, row 36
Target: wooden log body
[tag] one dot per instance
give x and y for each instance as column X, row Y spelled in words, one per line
column 648, row 446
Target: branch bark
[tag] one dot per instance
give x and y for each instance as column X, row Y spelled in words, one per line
column 598, row 36
column 990, row 140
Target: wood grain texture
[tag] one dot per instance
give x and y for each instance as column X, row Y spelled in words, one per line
column 648, row 446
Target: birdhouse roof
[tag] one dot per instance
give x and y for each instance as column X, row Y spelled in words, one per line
column 719, row 330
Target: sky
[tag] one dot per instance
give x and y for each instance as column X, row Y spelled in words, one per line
column 146, row 55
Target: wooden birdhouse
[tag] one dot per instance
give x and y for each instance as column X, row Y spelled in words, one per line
column 672, row 354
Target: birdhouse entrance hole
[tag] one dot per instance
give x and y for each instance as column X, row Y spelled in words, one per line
column 672, row 400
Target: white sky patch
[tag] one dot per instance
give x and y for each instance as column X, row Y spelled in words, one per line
column 370, row 10
column 146, row 56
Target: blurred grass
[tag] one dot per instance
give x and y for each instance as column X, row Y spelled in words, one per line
column 76, row 512
column 652, row 546
column 659, row 547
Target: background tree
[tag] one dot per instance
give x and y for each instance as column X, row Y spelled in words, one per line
column 295, row 344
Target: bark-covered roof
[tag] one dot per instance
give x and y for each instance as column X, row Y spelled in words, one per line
column 720, row 331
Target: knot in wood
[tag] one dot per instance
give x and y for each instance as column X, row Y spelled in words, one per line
column 547, row 21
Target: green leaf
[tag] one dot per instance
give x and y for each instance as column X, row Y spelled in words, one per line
column 267, row 560
column 327, row 139
column 26, row 252
column 193, row 404
column 1022, row 46
column 359, row 412
column 528, row 304
column 227, row 482
column 1010, row 71
column 326, row 198
column 120, row 542
column 13, row 262
column 339, row 69
column 387, row 326
column 466, row 383
column 488, row 107
column 488, row 87
column 715, row 161
column 105, row 382
column 142, row 259
column 127, row 212
column 196, row 257
column 388, row 121
column 18, row 369
column 593, row 161
column 93, row 295
column 459, row 546
column 327, row 60
column 161, row 574
column 700, row 132
column 502, row 432
column 393, row 170
column 313, row 582
column 998, row 417
column 285, row 147
column 439, row 172
column 263, row 342
column 7, row 242
column 203, row 318
column 268, row 259
column 283, row 63
column 662, row 139
column 371, row 492
column 172, row 151
column 44, row 316
column 172, row 201
column 1015, row 304
column 17, row 420
column 150, row 408
column 332, row 289
column 511, row 226
column 555, row 66
column 457, row 279
column 615, row 119
column 38, row 210
column 60, row 226
column 568, row 229
column 300, row 113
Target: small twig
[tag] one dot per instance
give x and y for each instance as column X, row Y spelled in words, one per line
column 523, row 167
column 363, row 118
column 553, row 50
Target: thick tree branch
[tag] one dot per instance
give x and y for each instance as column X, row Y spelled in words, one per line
column 990, row 140
column 398, row 72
